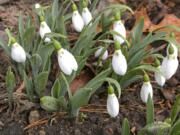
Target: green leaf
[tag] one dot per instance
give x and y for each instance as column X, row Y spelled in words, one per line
column 67, row 84
column 149, row 111
column 29, row 86
column 40, row 83
column 54, row 35
column 167, row 26
column 10, row 84
column 50, row 103
column 93, row 5
column 36, row 62
column 4, row 45
column 47, row 66
column 55, row 9
column 55, row 91
column 21, row 26
column 175, row 130
column 138, row 30
column 154, row 128
column 79, row 99
column 125, row 127
column 175, row 109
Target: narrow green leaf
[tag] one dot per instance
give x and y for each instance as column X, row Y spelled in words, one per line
column 10, row 84
column 55, row 91
column 169, row 27
column 149, row 111
column 40, row 83
column 47, row 66
column 93, row 5
column 4, row 45
column 54, row 35
column 175, row 130
column 138, row 30
column 21, row 26
column 29, row 86
column 125, row 127
column 175, row 109
column 36, row 62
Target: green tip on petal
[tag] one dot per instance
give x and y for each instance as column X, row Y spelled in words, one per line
column 12, row 40
column 56, row 44
column 110, row 90
column 42, row 18
column 172, row 35
column 117, row 46
column 146, row 78
column 157, row 63
column 84, row 5
column 117, row 15
column 74, row 7
column 171, row 50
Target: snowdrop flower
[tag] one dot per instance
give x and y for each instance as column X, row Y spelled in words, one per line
column 37, row 5
column 170, row 64
column 44, row 29
column 118, row 27
column 98, row 52
column 66, row 60
column 77, row 19
column 119, row 62
column 160, row 79
column 86, row 14
column 17, row 52
column 112, row 103
column 146, row 89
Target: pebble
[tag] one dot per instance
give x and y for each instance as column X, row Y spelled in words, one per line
column 33, row 116
column 42, row 132
column 77, row 132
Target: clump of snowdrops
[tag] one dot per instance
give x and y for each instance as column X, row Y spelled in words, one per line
column 31, row 54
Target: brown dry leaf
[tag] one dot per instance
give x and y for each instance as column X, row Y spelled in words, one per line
column 81, row 80
column 169, row 19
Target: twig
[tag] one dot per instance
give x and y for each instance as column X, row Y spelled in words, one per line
column 21, row 87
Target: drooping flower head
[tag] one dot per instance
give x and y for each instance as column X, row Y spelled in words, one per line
column 119, row 62
column 160, row 79
column 86, row 14
column 118, row 27
column 146, row 89
column 170, row 63
column 44, row 29
column 112, row 103
column 17, row 52
column 99, row 51
column 77, row 19
column 37, row 5
column 173, row 45
column 66, row 60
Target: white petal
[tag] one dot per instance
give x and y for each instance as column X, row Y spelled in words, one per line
column 44, row 28
column 112, row 105
column 169, row 66
column 71, row 60
column 159, row 78
column 175, row 50
column 98, row 52
column 17, row 53
column 118, row 27
column 37, row 5
column 86, row 15
column 145, row 90
column 77, row 21
column 119, row 63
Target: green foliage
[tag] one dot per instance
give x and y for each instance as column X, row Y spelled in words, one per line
column 175, row 110
column 125, row 127
column 10, row 84
column 149, row 111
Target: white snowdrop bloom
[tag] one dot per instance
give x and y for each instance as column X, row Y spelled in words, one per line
column 44, row 29
column 119, row 63
column 112, row 105
column 98, row 52
column 118, row 27
column 169, row 66
column 145, row 91
column 86, row 15
column 175, row 50
column 67, row 62
column 77, row 21
column 17, row 53
column 160, row 79
column 37, row 5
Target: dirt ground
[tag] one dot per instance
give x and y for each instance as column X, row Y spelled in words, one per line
column 16, row 120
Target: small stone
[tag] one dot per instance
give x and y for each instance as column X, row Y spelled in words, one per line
column 42, row 132
column 34, row 116
column 77, row 132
